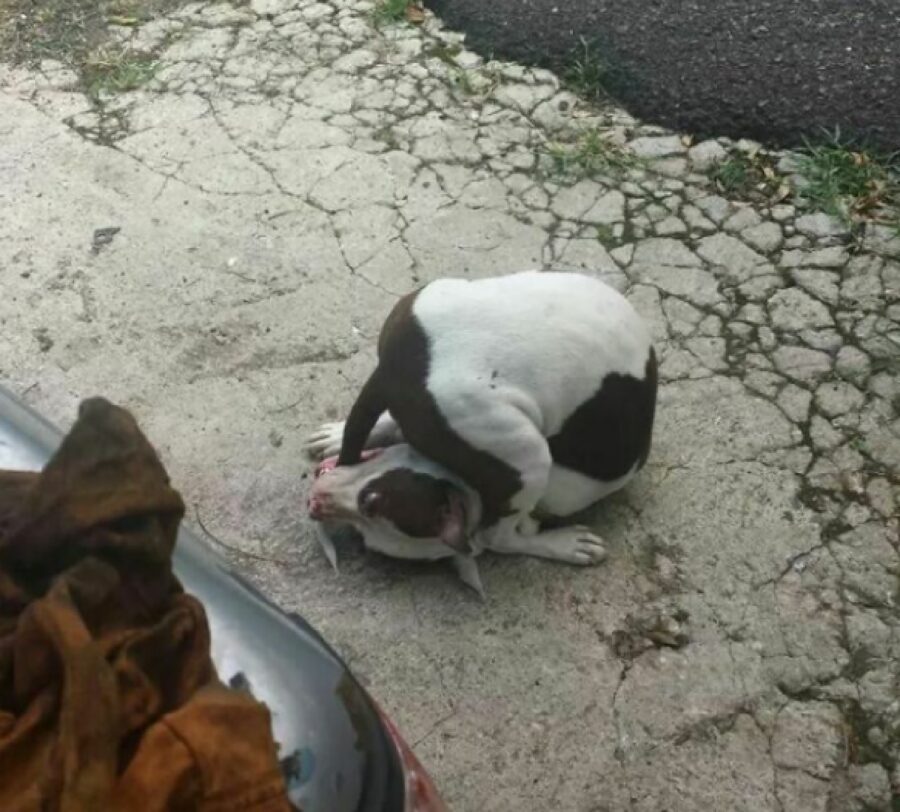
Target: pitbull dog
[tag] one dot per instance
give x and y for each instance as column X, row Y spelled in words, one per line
column 496, row 400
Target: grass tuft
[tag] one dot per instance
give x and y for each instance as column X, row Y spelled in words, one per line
column 588, row 72
column 116, row 71
column 389, row 11
column 849, row 181
column 587, row 156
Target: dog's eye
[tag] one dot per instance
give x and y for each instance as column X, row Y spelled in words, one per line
column 369, row 504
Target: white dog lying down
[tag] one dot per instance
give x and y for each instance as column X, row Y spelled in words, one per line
column 492, row 400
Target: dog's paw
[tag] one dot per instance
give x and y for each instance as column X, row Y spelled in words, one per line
column 576, row 545
column 325, row 441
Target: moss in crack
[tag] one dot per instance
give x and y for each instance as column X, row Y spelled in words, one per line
column 863, row 745
column 441, row 50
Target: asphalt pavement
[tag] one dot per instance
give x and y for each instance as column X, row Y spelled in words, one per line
column 771, row 70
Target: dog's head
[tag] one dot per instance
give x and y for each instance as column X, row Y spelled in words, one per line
column 403, row 504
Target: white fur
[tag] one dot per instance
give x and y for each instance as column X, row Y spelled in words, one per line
column 569, row 492
column 513, row 357
column 550, row 337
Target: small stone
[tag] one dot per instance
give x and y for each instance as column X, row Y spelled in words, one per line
column 610, row 208
column 834, row 257
column 852, row 364
column 881, row 496
column 715, row 207
column 838, row 397
column 767, row 339
column 761, row 286
column 522, row 97
column 555, row 113
column 871, row 787
column 673, row 203
column 696, row 220
column 670, row 167
column 792, row 309
column 623, row 254
column 795, row 402
column 788, row 164
column 824, row 436
column 820, row 225
column 729, row 253
column 706, row 154
column 808, row 736
column 752, row 313
column 572, row 202
column 468, row 60
column 801, row 363
column 862, row 291
column 744, row 217
column 821, row 284
column 317, row 11
column 791, row 259
column 826, row 340
column 765, row 237
column 681, row 316
column 709, row 351
column 882, row 240
column 671, row 226
column 748, row 146
column 782, row 212
column 654, row 213
column 657, row 146
column 665, row 252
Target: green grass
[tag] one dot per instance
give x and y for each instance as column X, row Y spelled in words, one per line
column 850, row 182
column 389, row 11
column 734, row 175
column 116, row 71
column 587, row 156
column 588, row 72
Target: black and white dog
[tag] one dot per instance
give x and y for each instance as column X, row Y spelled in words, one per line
column 493, row 402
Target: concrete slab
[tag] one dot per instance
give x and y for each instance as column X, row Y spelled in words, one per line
column 288, row 173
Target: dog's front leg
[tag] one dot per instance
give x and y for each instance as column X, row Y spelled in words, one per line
column 518, row 535
column 326, row 440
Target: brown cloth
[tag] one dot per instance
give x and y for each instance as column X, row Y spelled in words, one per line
column 109, row 700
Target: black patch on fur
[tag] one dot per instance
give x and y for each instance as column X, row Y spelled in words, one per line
column 607, row 434
column 414, row 502
column 398, row 385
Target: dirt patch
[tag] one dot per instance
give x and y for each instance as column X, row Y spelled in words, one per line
column 73, row 32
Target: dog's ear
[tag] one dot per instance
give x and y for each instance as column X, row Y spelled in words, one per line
column 454, row 531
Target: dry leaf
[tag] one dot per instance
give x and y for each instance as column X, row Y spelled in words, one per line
column 415, row 15
column 124, row 20
column 783, row 192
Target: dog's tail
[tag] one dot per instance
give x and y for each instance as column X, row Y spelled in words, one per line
column 369, row 406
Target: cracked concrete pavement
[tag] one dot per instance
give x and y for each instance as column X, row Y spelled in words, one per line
column 291, row 169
